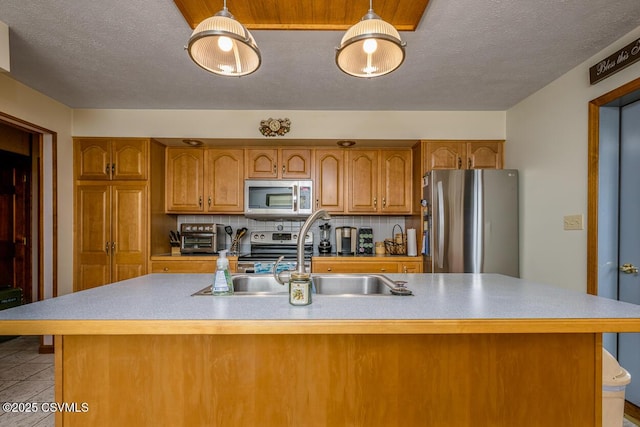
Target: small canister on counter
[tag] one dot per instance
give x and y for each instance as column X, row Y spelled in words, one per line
column 380, row 249
column 300, row 288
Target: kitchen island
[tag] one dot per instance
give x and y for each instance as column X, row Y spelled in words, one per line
column 464, row 350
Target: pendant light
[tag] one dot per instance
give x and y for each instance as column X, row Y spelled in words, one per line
column 370, row 48
column 223, row 46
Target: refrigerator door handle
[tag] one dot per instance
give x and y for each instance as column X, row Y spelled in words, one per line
column 479, row 243
column 438, row 252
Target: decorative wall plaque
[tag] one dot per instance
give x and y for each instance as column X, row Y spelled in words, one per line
column 275, row 127
column 616, row 62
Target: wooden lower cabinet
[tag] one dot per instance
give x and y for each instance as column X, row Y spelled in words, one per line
column 366, row 265
column 323, row 380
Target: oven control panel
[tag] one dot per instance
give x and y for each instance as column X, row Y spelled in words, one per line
column 279, row 237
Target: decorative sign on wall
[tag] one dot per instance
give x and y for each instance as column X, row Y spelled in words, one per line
column 275, row 127
column 616, row 62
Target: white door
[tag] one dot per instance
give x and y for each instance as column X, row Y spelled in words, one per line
column 629, row 239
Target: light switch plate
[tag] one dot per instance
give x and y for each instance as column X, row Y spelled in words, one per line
column 573, row 222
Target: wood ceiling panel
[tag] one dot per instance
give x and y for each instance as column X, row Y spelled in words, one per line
column 405, row 15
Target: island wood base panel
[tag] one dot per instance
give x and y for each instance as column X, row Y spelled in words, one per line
column 331, row 380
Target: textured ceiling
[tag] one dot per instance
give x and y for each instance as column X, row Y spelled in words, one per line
column 465, row 55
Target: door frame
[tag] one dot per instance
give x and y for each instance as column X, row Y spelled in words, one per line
column 592, row 192
column 45, row 243
column 593, row 178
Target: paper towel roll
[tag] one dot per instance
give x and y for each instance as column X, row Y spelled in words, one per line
column 412, row 247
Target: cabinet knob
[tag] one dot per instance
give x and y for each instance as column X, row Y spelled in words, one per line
column 200, row 201
column 375, row 202
column 384, row 202
column 459, row 162
column 165, row 269
column 209, row 200
column 275, row 169
column 383, row 269
column 283, row 169
column 329, row 269
column 469, row 164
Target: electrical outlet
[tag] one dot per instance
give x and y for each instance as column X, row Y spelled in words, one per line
column 573, row 222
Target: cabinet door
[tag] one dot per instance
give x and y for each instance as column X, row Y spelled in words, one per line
column 396, row 184
column 128, row 231
column 129, row 159
column 445, row 155
column 329, row 180
column 224, row 171
column 262, row 163
column 485, row 155
column 92, row 158
column 184, row 179
column 295, row 163
column 93, row 236
column 362, row 177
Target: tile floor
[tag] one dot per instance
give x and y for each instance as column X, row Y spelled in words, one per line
column 27, row 376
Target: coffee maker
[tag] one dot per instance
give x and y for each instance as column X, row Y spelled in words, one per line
column 324, row 247
column 346, row 240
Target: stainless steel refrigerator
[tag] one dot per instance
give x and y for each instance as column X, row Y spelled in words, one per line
column 472, row 221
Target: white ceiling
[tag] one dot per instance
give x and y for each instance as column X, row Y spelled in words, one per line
column 465, row 55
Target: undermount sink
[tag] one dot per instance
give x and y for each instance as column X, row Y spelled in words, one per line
column 325, row 284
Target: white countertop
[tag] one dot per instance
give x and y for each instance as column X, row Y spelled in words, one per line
column 457, row 298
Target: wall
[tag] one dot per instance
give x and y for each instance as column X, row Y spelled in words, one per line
column 548, row 142
column 30, row 106
column 411, row 125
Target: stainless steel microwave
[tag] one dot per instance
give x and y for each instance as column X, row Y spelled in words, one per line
column 278, row 199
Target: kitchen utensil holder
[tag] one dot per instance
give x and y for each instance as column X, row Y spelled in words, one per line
column 396, row 248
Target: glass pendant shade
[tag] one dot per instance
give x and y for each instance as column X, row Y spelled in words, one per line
column 370, row 48
column 223, row 46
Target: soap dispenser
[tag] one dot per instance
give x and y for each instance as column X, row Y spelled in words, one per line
column 222, row 283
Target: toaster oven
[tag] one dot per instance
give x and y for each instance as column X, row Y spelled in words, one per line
column 201, row 238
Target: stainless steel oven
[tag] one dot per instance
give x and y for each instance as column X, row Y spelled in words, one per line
column 267, row 246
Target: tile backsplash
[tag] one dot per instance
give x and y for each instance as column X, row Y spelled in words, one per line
column 382, row 226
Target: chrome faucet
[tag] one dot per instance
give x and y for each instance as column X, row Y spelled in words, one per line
column 300, row 246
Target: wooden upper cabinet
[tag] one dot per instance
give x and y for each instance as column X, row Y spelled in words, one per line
column 184, row 189
column 286, row 163
column 224, row 183
column 111, row 158
column 329, row 179
column 204, row 180
column 485, row 155
column 379, row 181
column 478, row 154
column 363, row 183
column 396, row 181
column 445, row 155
